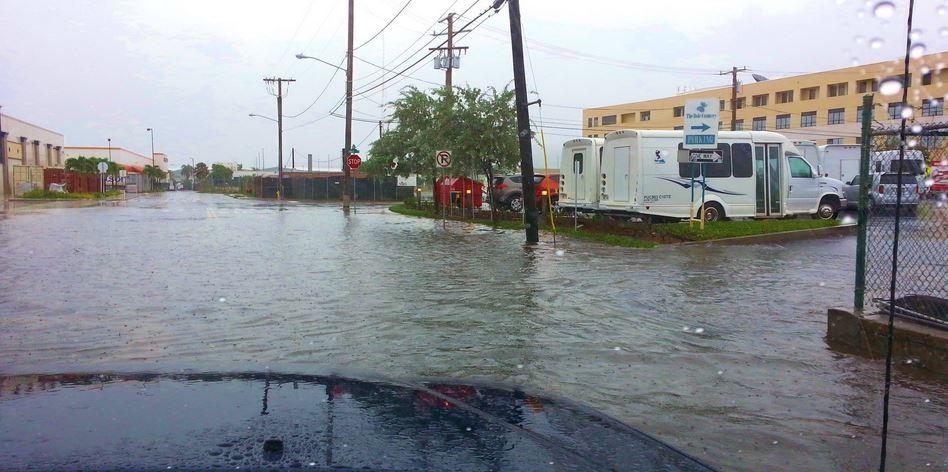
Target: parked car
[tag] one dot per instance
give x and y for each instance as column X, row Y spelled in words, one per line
column 883, row 191
column 508, row 190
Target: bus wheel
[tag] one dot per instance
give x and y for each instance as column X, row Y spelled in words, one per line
column 828, row 209
column 713, row 211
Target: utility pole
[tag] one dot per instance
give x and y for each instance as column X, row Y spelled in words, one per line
column 733, row 72
column 279, row 95
column 152, row 131
column 293, row 158
column 348, row 149
column 449, row 51
column 530, row 216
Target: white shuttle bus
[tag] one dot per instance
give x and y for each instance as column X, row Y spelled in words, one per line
column 762, row 175
column 579, row 166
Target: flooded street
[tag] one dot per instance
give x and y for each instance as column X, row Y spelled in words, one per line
column 718, row 350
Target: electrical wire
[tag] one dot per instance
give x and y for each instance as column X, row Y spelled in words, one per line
column 328, row 83
column 384, row 27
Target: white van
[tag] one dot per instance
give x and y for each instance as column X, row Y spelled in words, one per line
column 840, row 161
column 579, row 166
column 762, row 175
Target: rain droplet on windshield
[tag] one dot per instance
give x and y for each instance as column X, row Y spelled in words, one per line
column 884, row 10
column 917, row 51
column 876, row 43
column 890, row 86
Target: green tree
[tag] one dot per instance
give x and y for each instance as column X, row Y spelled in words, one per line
column 201, row 171
column 220, row 172
column 477, row 125
column 90, row 165
column 187, row 171
column 153, row 172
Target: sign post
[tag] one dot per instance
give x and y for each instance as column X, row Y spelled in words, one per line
column 103, row 168
column 354, row 162
column 443, row 159
column 701, row 139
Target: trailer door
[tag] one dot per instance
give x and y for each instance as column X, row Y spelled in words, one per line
column 579, row 180
column 620, row 172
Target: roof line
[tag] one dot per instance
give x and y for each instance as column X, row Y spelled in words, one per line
column 33, row 125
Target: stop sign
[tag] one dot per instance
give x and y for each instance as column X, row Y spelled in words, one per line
column 354, row 161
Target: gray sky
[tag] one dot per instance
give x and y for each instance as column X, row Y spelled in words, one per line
column 193, row 69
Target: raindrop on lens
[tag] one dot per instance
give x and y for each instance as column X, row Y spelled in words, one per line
column 941, row 10
column 222, row 299
column 915, row 34
column 876, row 43
column 859, row 39
column 560, row 252
column 917, row 51
column 943, row 31
column 912, row 143
column 890, row 86
column 907, row 112
column 699, row 330
column 884, row 10
column 916, row 128
column 617, row 348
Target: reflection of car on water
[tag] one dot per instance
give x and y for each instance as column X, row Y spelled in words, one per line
column 283, row 421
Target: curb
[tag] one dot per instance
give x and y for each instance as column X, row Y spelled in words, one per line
column 779, row 237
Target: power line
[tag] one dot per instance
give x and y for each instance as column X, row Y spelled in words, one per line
column 328, row 83
column 386, row 25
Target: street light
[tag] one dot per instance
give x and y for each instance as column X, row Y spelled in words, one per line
column 304, row 56
column 152, row 145
column 254, row 115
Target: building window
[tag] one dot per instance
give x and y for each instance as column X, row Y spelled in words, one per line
column 836, row 116
column 739, row 125
column 760, row 100
column 783, row 121
column 809, row 93
column 933, row 107
column 721, row 105
column 740, row 103
column 678, row 111
column 834, row 141
column 609, row 120
column 589, row 122
column 677, row 128
column 867, row 85
column 596, row 121
column 837, row 90
column 645, row 116
column 929, row 142
column 927, row 78
column 784, row 97
column 720, row 125
column 859, row 114
column 807, row 119
column 759, row 123
column 895, row 110
column 628, row 117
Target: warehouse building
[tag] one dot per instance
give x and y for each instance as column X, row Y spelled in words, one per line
column 825, row 107
column 131, row 160
column 26, row 150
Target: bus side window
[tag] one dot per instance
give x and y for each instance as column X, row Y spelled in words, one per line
column 741, row 160
column 723, row 169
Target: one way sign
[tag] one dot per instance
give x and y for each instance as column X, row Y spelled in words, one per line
column 701, row 123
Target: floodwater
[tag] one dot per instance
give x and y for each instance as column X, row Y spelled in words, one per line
column 718, row 350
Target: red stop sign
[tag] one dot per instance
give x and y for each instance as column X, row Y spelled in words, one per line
column 354, row 161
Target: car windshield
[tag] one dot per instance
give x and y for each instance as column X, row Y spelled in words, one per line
column 297, row 234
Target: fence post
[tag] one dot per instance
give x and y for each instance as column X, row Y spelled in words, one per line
column 859, row 291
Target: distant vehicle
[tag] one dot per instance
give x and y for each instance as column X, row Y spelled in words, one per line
column 508, row 190
column 884, row 190
column 762, row 174
column 939, row 181
column 580, row 161
column 839, row 161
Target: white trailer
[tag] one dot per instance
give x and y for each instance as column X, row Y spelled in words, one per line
column 579, row 166
column 840, row 161
column 762, row 174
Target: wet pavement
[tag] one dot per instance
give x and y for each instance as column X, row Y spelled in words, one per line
column 718, row 350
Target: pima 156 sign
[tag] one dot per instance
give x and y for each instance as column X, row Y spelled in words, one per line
column 701, row 123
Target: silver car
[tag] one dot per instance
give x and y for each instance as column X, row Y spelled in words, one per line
column 883, row 191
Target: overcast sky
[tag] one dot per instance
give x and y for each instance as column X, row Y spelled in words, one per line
column 193, row 69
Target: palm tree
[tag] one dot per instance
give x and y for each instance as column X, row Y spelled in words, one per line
column 201, row 171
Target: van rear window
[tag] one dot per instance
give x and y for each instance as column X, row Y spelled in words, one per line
column 894, row 179
column 910, row 166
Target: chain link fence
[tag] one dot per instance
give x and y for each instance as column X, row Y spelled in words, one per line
column 903, row 201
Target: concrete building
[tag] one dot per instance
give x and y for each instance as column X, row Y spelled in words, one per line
column 26, row 150
column 133, row 161
column 824, row 107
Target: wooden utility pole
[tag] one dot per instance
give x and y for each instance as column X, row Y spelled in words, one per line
column 733, row 72
column 346, row 191
column 449, row 51
column 530, row 215
column 279, row 95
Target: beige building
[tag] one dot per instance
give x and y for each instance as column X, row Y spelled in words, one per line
column 26, row 150
column 131, row 160
column 824, row 107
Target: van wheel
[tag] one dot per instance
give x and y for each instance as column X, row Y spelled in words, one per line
column 515, row 203
column 713, row 211
column 827, row 210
